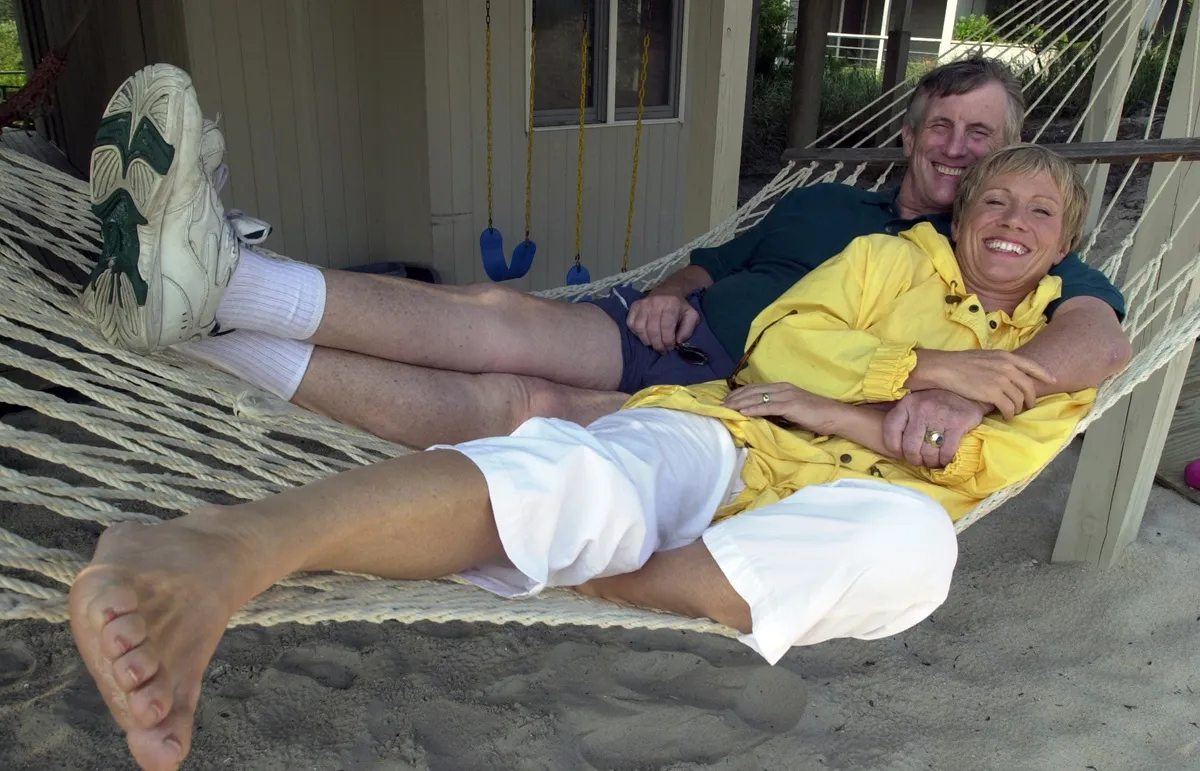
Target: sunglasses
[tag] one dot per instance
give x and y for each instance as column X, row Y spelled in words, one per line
column 690, row 354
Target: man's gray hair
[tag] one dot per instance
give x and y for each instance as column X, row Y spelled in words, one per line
column 962, row 77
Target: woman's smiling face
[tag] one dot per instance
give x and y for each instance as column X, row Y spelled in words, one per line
column 1011, row 235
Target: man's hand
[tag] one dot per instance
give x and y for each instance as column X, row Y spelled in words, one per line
column 1008, row 381
column 909, row 419
column 662, row 321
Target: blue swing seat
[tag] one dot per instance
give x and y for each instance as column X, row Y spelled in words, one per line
column 497, row 267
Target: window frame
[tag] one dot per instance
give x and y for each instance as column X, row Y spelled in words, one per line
column 605, row 112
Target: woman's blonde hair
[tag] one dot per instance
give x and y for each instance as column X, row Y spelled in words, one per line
column 1029, row 159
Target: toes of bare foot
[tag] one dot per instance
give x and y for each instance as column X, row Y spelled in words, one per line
column 147, row 615
column 160, row 749
column 121, row 635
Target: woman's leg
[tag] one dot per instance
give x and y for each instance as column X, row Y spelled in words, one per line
column 857, row 559
column 149, row 610
column 555, row 503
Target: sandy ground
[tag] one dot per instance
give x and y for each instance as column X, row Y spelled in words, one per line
column 1027, row 666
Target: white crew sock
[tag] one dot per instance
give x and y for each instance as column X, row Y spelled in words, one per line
column 271, row 363
column 284, row 299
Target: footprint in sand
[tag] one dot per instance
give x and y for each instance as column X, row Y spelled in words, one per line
column 326, row 666
column 772, row 699
column 766, row 698
column 16, row 664
column 636, row 710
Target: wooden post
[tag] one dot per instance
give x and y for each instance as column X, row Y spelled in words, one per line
column 895, row 67
column 752, row 58
column 1122, row 449
column 718, row 45
column 948, row 21
column 808, row 70
column 1119, row 44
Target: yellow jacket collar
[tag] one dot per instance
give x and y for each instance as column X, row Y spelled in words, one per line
column 941, row 254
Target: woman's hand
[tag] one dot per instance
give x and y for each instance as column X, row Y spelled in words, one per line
column 1008, row 381
column 784, row 400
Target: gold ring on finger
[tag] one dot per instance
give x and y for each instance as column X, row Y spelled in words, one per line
column 935, row 438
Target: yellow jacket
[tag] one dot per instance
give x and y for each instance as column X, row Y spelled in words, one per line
column 848, row 331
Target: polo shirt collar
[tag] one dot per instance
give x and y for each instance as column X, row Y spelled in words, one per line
column 886, row 199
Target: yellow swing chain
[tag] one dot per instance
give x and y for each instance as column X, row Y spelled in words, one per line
column 583, row 69
column 637, row 139
column 488, row 109
column 529, row 148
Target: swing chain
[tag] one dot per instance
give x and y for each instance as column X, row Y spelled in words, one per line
column 488, row 109
column 637, row 137
column 529, row 148
column 583, row 73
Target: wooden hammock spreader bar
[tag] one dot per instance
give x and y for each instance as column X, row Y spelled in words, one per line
column 1123, row 151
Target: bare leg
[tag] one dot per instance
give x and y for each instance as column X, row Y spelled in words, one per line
column 420, row 407
column 479, row 328
column 148, row 612
column 687, row 581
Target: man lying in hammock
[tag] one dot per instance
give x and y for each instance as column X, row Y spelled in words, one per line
column 422, row 364
column 693, row 500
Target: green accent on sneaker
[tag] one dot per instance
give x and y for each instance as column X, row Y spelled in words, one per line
column 145, row 143
column 119, row 221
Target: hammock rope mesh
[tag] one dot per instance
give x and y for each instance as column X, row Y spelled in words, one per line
column 121, row 437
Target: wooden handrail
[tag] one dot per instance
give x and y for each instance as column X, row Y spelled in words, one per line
column 1121, row 151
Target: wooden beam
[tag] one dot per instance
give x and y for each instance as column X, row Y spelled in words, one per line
column 813, row 22
column 1110, row 80
column 755, row 9
column 1123, row 151
column 1121, row 452
column 895, row 67
column 719, row 52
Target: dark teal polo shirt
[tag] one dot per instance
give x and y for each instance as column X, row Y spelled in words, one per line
column 807, row 227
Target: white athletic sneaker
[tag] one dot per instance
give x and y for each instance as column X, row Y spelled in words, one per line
column 169, row 251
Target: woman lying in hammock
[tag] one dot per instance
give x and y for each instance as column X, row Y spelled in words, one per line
column 768, row 502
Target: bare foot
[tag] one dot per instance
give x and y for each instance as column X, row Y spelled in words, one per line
column 147, row 614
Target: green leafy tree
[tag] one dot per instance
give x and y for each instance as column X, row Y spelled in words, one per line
column 772, row 42
column 10, row 49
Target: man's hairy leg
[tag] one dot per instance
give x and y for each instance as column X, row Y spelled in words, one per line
column 420, row 407
column 477, row 329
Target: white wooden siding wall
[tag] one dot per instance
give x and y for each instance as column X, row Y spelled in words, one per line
column 455, row 67
column 322, row 104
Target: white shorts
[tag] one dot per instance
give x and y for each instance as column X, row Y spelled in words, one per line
column 852, row 558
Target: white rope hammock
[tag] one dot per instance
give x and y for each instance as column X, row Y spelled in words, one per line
column 160, row 435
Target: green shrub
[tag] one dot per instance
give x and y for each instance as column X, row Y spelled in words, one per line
column 1145, row 78
column 10, row 53
column 975, row 27
column 845, row 89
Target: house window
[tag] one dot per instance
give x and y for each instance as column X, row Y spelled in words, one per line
column 616, row 30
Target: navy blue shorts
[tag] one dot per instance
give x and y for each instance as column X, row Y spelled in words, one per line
column 644, row 366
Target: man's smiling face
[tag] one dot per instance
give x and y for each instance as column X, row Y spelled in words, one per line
column 956, row 132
